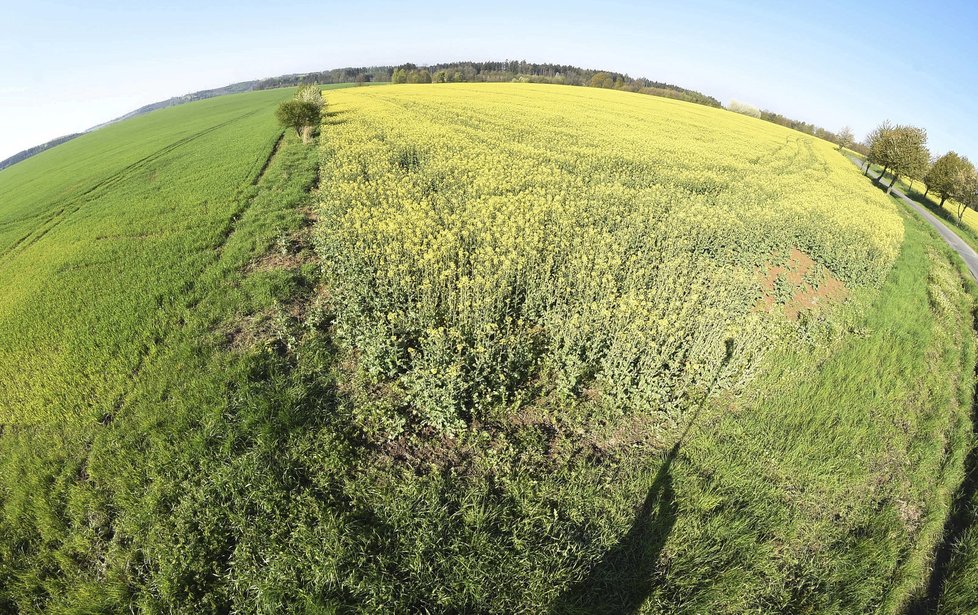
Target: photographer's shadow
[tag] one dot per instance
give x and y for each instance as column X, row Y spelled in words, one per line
column 623, row 578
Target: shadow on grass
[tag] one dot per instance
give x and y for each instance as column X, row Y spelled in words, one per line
column 625, row 576
column 622, row 580
column 961, row 519
column 937, row 210
column 958, row 522
column 880, row 182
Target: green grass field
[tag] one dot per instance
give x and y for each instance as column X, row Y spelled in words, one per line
column 240, row 373
column 103, row 243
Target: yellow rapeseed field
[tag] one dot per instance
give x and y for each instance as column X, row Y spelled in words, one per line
column 489, row 244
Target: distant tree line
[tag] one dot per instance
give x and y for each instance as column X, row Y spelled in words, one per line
column 843, row 138
column 901, row 149
column 464, row 72
column 37, row 149
column 805, row 127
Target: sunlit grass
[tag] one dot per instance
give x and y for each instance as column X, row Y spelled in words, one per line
column 258, row 463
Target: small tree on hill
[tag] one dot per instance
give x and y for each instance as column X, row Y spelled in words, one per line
column 845, row 138
column 310, row 94
column 743, row 108
column 303, row 112
column 298, row 115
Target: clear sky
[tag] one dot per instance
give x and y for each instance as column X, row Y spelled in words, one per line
column 70, row 65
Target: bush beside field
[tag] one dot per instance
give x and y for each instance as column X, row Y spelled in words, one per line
column 492, row 348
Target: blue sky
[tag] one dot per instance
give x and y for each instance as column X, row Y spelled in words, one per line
column 70, row 65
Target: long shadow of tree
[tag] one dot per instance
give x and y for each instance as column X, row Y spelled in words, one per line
column 622, row 580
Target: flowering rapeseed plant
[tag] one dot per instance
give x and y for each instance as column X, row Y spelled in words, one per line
column 492, row 241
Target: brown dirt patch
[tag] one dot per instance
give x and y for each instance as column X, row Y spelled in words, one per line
column 798, row 285
column 430, row 452
column 279, row 260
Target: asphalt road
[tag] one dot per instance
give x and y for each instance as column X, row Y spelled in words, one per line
column 970, row 256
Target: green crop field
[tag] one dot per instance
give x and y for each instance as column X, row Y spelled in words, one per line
column 103, row 242
column 483, row 348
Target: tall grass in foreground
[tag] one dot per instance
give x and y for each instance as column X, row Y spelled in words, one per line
column 959, row 593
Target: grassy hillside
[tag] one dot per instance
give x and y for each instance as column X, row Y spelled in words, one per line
column 102, row 241
column 638, row 354
column 140, row 279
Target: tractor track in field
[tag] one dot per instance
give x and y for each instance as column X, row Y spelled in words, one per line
column 192, row 298
column 268, row 161
column 66, row 211
column 232, row 223
column 119, row 401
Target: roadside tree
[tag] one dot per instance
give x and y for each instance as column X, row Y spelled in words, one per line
column 950, row 177
column 900, row 149
column 879, row 142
